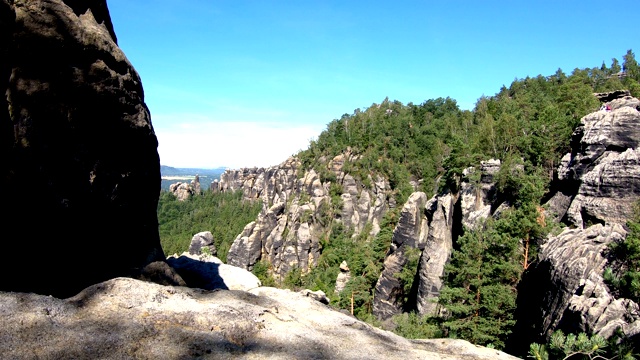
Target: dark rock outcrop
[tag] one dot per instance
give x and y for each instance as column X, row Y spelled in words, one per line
column 78, row 150
column 612, row 95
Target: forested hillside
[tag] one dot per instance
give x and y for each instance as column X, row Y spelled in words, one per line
column 224, row 215
column 532, row 119
column 526, row 125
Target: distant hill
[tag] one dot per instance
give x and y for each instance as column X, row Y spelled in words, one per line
column 172, row 175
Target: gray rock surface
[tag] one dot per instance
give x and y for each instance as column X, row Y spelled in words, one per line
column 609, row 190
column 429, row 226
column 297, row 210
column 343, row 277
column 597, row 186
column 477, row 197
column 77, row 135
column 436, row 253
column 210, row 273
column 410, row 233
column 129, row 319
column 202, row 242
column 182, row 190
column 599, row 180
column 565, row 289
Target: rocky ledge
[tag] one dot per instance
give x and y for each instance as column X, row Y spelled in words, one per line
column 125, row 318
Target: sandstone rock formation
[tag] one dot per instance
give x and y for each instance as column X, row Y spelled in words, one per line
column 565, row 290
column 478, row 192
column 410, row 233
column 207, row 272
column 183, row 191
column 78, row 149
column 128, row 319
column 202, row 242
column 597, row 186
column 601, row 175
column 431, row 226
column 297, row 210
column 436, row 253
column 343, row 277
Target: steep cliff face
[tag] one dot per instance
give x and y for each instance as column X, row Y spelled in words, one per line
column 430, row 226
column 297, row 211
column 410, row 233
column 78, row 149
column 597, row 186
column 601, row 173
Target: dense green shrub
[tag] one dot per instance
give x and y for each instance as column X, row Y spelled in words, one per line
column 223, row 214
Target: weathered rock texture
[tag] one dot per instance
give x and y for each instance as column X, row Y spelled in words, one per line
column 601, row 175
column 183, row 191
column 296, row 211
column 565, row 290
column 597, row 186
column 436, row 253
column 207, row 272
column 430, row 226
column 79, row 160
column 129, row 319
column 410, row 233
column 203, row 242
column 478, row 192
column 343, row 277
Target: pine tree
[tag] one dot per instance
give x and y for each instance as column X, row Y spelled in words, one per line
column 480, row 295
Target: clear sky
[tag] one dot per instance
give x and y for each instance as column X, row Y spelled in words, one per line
column 235, row 83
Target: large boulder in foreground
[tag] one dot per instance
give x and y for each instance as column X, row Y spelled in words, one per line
column 79, row 165
column 125, row 318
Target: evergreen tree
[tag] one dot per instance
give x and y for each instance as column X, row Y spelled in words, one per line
column 630, row 66
column 480, row 293
column 615, row 66
column 624, row 275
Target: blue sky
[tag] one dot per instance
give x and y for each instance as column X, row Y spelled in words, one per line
column 239, row 83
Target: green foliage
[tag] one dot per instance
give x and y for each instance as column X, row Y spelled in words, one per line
column 480, row 291
column 363, row 254
column 624, row 276
column 527, row 125
column 293, row 280
column 409, row 271
column 414, row 326
column 579, row 346
column 224, row 214
column 532, row 119
column 261, row 271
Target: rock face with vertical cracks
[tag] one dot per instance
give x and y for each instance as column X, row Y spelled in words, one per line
column 410, row 233
column 599, row 179
column 566, row 291
column 430, row 226
column 598, row 184
column 78, row 150
column 298, row 210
